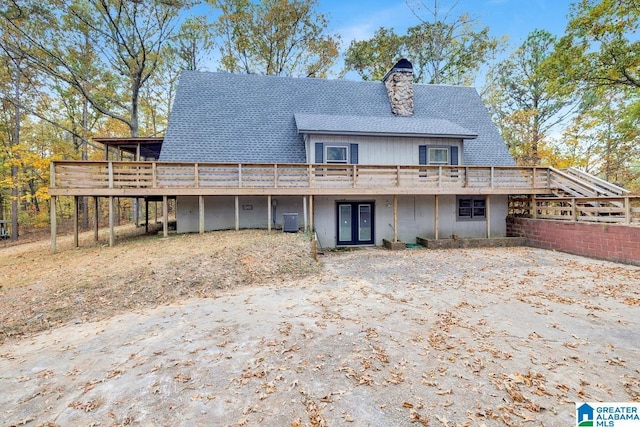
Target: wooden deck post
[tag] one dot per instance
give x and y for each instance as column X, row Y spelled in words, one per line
column 54, row 224
column 237, row 200
column 165, row 216
column 627, row 211
column 96, row 219
column 304, row 212
column 146, row 215
column 269, row 212
column 201, row 214
column 135, row 209
column 76, row 207
column 534, row 207
column 435, row 216
column 395, row 217
column 533, row 178
column 110, row 172
column 311, row 213
column 111, row 221
column 488, row 215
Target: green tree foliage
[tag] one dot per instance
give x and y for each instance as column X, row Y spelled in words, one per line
column 372, row 58
column 600, row 46
column 129, row 37
column 192, row 44
column 527, row 104
column 599, row 57
column 93, row 61
column 274, row 37
column 604, row 139
column 442, row 50
column 19, row 83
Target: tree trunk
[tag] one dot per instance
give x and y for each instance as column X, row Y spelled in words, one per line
column 15, row 189
column 84, row 202
column 135, row 129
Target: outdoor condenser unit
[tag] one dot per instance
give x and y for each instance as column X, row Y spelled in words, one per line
column 290, row 223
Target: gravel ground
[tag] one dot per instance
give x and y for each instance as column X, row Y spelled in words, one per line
column 472, row 337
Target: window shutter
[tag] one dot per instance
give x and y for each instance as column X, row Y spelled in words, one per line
column 422, row 154
column 319, row 152
column 354, row 153
column 454, row 155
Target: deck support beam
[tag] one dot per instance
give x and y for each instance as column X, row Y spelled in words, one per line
column 534, row 207
column 165, row 216
column 311, row 213
column 146, row 215
column 395, row 217
column 304, row 212
column 627, row 211
column 76, row 208
column 96, row 218
column 54, row 224
column 269, row 212
column 112, row 233
column 201, row 214
column 237, row 201
column 436, row 201
column 488, row 215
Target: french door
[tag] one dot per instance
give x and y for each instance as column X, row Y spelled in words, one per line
column 355, row 223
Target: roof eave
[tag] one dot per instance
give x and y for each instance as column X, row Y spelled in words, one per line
column 392, row 134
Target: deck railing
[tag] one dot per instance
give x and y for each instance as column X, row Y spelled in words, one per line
column 611, row 210
column 84, row 177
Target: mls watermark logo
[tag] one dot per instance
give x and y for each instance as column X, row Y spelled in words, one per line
column 607, row 414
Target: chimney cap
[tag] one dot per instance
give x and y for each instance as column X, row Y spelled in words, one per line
column 402, row 66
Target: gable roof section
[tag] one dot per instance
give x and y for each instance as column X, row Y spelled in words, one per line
column 325, row 124
column 239, row 118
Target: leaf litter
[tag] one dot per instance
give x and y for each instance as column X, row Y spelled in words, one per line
column 368, row 337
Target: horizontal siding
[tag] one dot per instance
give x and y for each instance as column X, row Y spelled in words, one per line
column 384, row 150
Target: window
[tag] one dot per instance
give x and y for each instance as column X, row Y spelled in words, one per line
column 470, row 208
column 335, row 154
column 438, row 156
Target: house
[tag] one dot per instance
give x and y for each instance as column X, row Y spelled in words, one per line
column 366, row 142
column 359, row 163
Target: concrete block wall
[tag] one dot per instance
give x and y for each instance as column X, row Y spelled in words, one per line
column 611, row 242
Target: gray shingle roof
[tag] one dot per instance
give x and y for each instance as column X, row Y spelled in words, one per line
column 370, row 125
column 223, row 117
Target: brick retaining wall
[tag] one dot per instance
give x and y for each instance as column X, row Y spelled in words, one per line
column 611, row 242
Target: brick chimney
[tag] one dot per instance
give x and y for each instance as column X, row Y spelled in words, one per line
column 399, row 84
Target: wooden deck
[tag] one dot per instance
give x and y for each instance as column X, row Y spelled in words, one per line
column 538, row 188
column 142, row 179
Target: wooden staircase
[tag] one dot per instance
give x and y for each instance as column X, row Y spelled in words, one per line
column 573, row 182
column 591, row 196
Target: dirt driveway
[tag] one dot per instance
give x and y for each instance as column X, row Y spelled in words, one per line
column 441, row 338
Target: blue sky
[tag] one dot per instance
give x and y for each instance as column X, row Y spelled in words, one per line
column 358, row 20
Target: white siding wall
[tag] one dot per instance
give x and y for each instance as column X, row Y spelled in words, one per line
column 219, row 212
column 381, row 150
column 415, row 218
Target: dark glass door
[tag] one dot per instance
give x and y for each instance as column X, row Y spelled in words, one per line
column 355, row 223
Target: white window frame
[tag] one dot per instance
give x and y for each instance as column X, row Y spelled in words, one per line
column 342, row 147
column 439, row 163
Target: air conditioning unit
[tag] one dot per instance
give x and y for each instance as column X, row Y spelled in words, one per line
column 290, row 223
